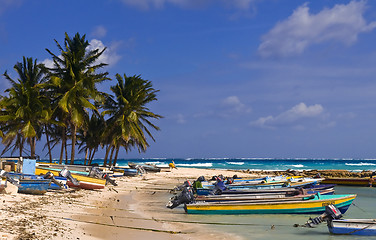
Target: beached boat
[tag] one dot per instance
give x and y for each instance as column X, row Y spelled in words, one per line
column 366, row 227
column 351, row 181
column 33, row 186
column 146, row 167
column 130, row 172
column 282, row 190
column 57, row 182
column 85, row 182
column 312, row 204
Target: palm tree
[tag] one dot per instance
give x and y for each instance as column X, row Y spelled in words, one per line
column 91, row 138
column 74, row 81
column 24, row 111
column 129, row 118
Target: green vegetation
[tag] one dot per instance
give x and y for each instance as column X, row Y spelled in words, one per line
column 64, row 104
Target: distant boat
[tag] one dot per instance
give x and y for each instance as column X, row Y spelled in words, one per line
column 146, row 167
column 313, row 204
column 351, row 181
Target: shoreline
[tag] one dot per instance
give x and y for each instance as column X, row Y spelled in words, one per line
column 135, row 208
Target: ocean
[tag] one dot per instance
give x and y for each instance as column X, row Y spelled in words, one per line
column 255, row 164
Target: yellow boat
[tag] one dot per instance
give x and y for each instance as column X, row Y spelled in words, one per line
column 85, row 182
column 313, row 204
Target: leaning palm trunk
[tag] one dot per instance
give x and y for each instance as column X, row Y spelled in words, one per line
column 74, row 131
column 48, row 144
column 116, row 156
column 108, row 148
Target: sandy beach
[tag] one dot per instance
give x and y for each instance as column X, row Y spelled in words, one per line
column 134, row 209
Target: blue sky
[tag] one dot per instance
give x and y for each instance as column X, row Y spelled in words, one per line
column 237, row 78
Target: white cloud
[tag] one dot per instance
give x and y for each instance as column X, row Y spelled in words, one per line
column 109, row 56
column 232, row 105
column 159, row 4
column 342, row 23
column 99, row 31
column 290, row 117
column 49, row 62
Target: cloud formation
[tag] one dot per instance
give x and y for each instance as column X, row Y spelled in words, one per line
column 291, row 117
column 159, row 4
column 109, row 56
column 99, row 31
column 232, row 105
column 342, row 23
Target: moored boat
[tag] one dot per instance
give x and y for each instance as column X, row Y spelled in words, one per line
column 365, row 227
column 365, row 182
column 313, row 204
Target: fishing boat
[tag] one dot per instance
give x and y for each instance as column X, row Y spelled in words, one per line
column 244, row 197
column 312, row 204
column 84, row 182
column 281, row 190
column 337, row 225
column 146, row 167
column 33, row 186
column 365, row 182
column 366, row 227
column 57, row 182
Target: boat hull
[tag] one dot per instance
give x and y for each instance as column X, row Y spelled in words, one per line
column 33, row 186
column 309, row 206
column 365, row 227
column 85, row 182
column 365, row 182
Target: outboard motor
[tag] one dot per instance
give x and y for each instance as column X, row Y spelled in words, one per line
column 95, row 172
column 186, row 196
column 67, row 174
column 9, row 178
column 50, row 175
column 331, row 212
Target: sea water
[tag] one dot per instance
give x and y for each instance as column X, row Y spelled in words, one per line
column 255, row 164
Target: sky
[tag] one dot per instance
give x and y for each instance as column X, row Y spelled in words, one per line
column 237, row 78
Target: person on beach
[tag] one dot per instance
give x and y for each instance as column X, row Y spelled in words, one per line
column 172, row 165
column 371, row 180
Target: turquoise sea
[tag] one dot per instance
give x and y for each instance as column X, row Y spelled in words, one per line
column 256, row 163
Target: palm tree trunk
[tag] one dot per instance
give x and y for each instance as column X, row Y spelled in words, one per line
column 48, row 143
column 74, row 131
column 61, row 152
column 86, row 153
column 112, row 152
column 66, row 152
column 63, row 143
column 92, row 156
column 106, row 156
column 116, row 156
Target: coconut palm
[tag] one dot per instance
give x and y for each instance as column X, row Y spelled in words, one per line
column 24, row 111
column 74, row 81
column 128, row 117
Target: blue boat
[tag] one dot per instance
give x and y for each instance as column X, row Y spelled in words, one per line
column 33, row 186
column 56, row 184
